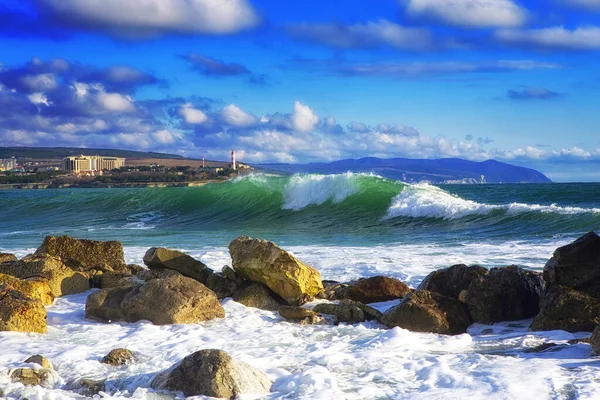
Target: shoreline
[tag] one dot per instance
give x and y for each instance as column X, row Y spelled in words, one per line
column 99, row 185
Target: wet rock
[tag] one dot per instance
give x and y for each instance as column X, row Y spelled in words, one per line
column 595, row 340
column 92, row 387
column 303, row 316
column 263, row 262
column 377, row 289
column 257, row 296
column 453, row 280
column 61, row 279
column 7, row 258
column 504, row 294
column 349, row 311
column 333, row 290
column 576, row 265
column 162, row 258
column 40, row 360
column 19, row 312
column 35, row 377
column 83, row 254
column 134, row 269
column 173, row 300
column 118, row 357
column 543, row 347
column 36, row 288
column 213, row 373
column 222, row 286
column 424, row 311
column 563, row 308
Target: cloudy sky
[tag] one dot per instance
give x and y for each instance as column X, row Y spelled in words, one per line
column 308, row 80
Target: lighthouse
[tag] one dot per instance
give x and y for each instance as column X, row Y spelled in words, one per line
column 233, row 160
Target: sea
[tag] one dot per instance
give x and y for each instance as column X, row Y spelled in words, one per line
column 347, row 226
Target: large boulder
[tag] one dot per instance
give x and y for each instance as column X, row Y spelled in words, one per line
column 504, row 294
column 36, row 288
column 61, row 279
column 163, row 258
column 83, row 254
column 213, row 373
column 257, row 296
column 173, row 300
column 7, row 258
column 567, row 309
column 376, row 289
column 452, row 280
column 19, row 312
column 425, row 311
column 263, row 262
column 576, row 265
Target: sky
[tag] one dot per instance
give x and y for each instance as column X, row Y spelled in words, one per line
column 298, row 81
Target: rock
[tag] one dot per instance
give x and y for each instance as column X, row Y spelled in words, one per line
column 504, row 294
column 595, row 340
column 36, row 288
column 134, row 269
column 111, row 279
column 333, row 290
column 92, row 387
column 46, row 378
column 303, row 316
column 425, row 311
column 19, row 312
column 543, row 347
column 173, row 300
column 563, row 308
column 349, row 311
column 453, row 280
column 230, row 274
column 222, row 286
column 83, row 254
column 377, row 289
column 257, row 296
column 213, row 373
column 148, row 274
column 576, row 265
column 263, row 262
column 40, row 360
column 118, row 357
column 162, row 258
column 62, row 280
column 7, row 258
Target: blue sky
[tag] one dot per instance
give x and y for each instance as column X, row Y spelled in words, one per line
column 301, row 81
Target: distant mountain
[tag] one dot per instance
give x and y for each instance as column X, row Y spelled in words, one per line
column 447, row 170
column 61, row 152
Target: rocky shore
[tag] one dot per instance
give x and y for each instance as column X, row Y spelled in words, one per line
column 174, row 288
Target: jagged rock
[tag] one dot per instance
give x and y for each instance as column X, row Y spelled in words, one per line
column 263, row 262
column 82, row 254
column 118, row 357
column 303, row 316
column 333, row 290
column 36, row 288
column 349, row 311
column 19, row 312
column 424, row 311
column 212, row 373
column 376, row 289
column 46, row 378
column 173, row 300
column 230, row 274
column 504, row 294
column 7, row 258
column 257, row 296
column 40, row 360
column 453, row 280
column 595, row 340
column 222, row 286
column 148, row 274
column 162, row 258
column 61, row 279
column 563, row 308
column 576, row 265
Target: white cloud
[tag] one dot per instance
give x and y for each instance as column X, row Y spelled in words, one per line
column 39, row 98
column 40, row 82
column 558, row 37
column 469, row 13
column 235, row 116
column 115, row 102
column 164, row 136
column 304, row 119
column 192, row 115
column 156, row 17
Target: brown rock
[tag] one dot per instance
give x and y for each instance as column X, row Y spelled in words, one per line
column 19, row 312
column 40, row 360
column 92, row 387
column 222, row 286
column 34, row 377
column 303, row 316
column 148, row 274
column 111, row 279
column 424, row 311
column 173, row 300
column 349, row 311
column 376, row 289
column 36, row 288
column 333, row 290
column 576, row 265
column 7, row 258
column 162, row 258
column 118, row 357
column 453, row 280
column 83, row 254
column 257, row 296
column 263, row 262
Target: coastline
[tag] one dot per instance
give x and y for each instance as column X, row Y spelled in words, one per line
column 99, row 185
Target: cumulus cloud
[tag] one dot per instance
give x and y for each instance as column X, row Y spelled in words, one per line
column 213, row 67
column 235, row 116
column 151, row 18
column 468, row 13
column 304, row 119
column 554, row 38
column 532, row 93
column 358, row 127
column 381, row 33
column 192, row 115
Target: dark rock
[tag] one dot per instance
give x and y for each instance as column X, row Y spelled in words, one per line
column 563, row 308
column 82, row 254
column 453, row 280
column 7, row 258
column 333, row 290
column 162, row 258
column 543, row 347
column 504, row 294
column 173, row 300
column 19, row 312
column 377, row 289
column 576, row 265
column 595, row 340
column 111, row 279
column 212, row 373
column 258, row 296
column 424, row 311
column 92, row 387
column 149, row 274
column 40, row 360
column 222, row 286
column 302, row 316
column 349, row 311
column 118, row 357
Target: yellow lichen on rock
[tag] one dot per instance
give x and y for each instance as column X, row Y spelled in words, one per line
column 19, row 312
column 36, row 288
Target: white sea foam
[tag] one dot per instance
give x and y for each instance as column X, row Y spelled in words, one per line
column 305, row 190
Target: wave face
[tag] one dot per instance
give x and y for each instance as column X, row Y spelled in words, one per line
column 319, row 204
